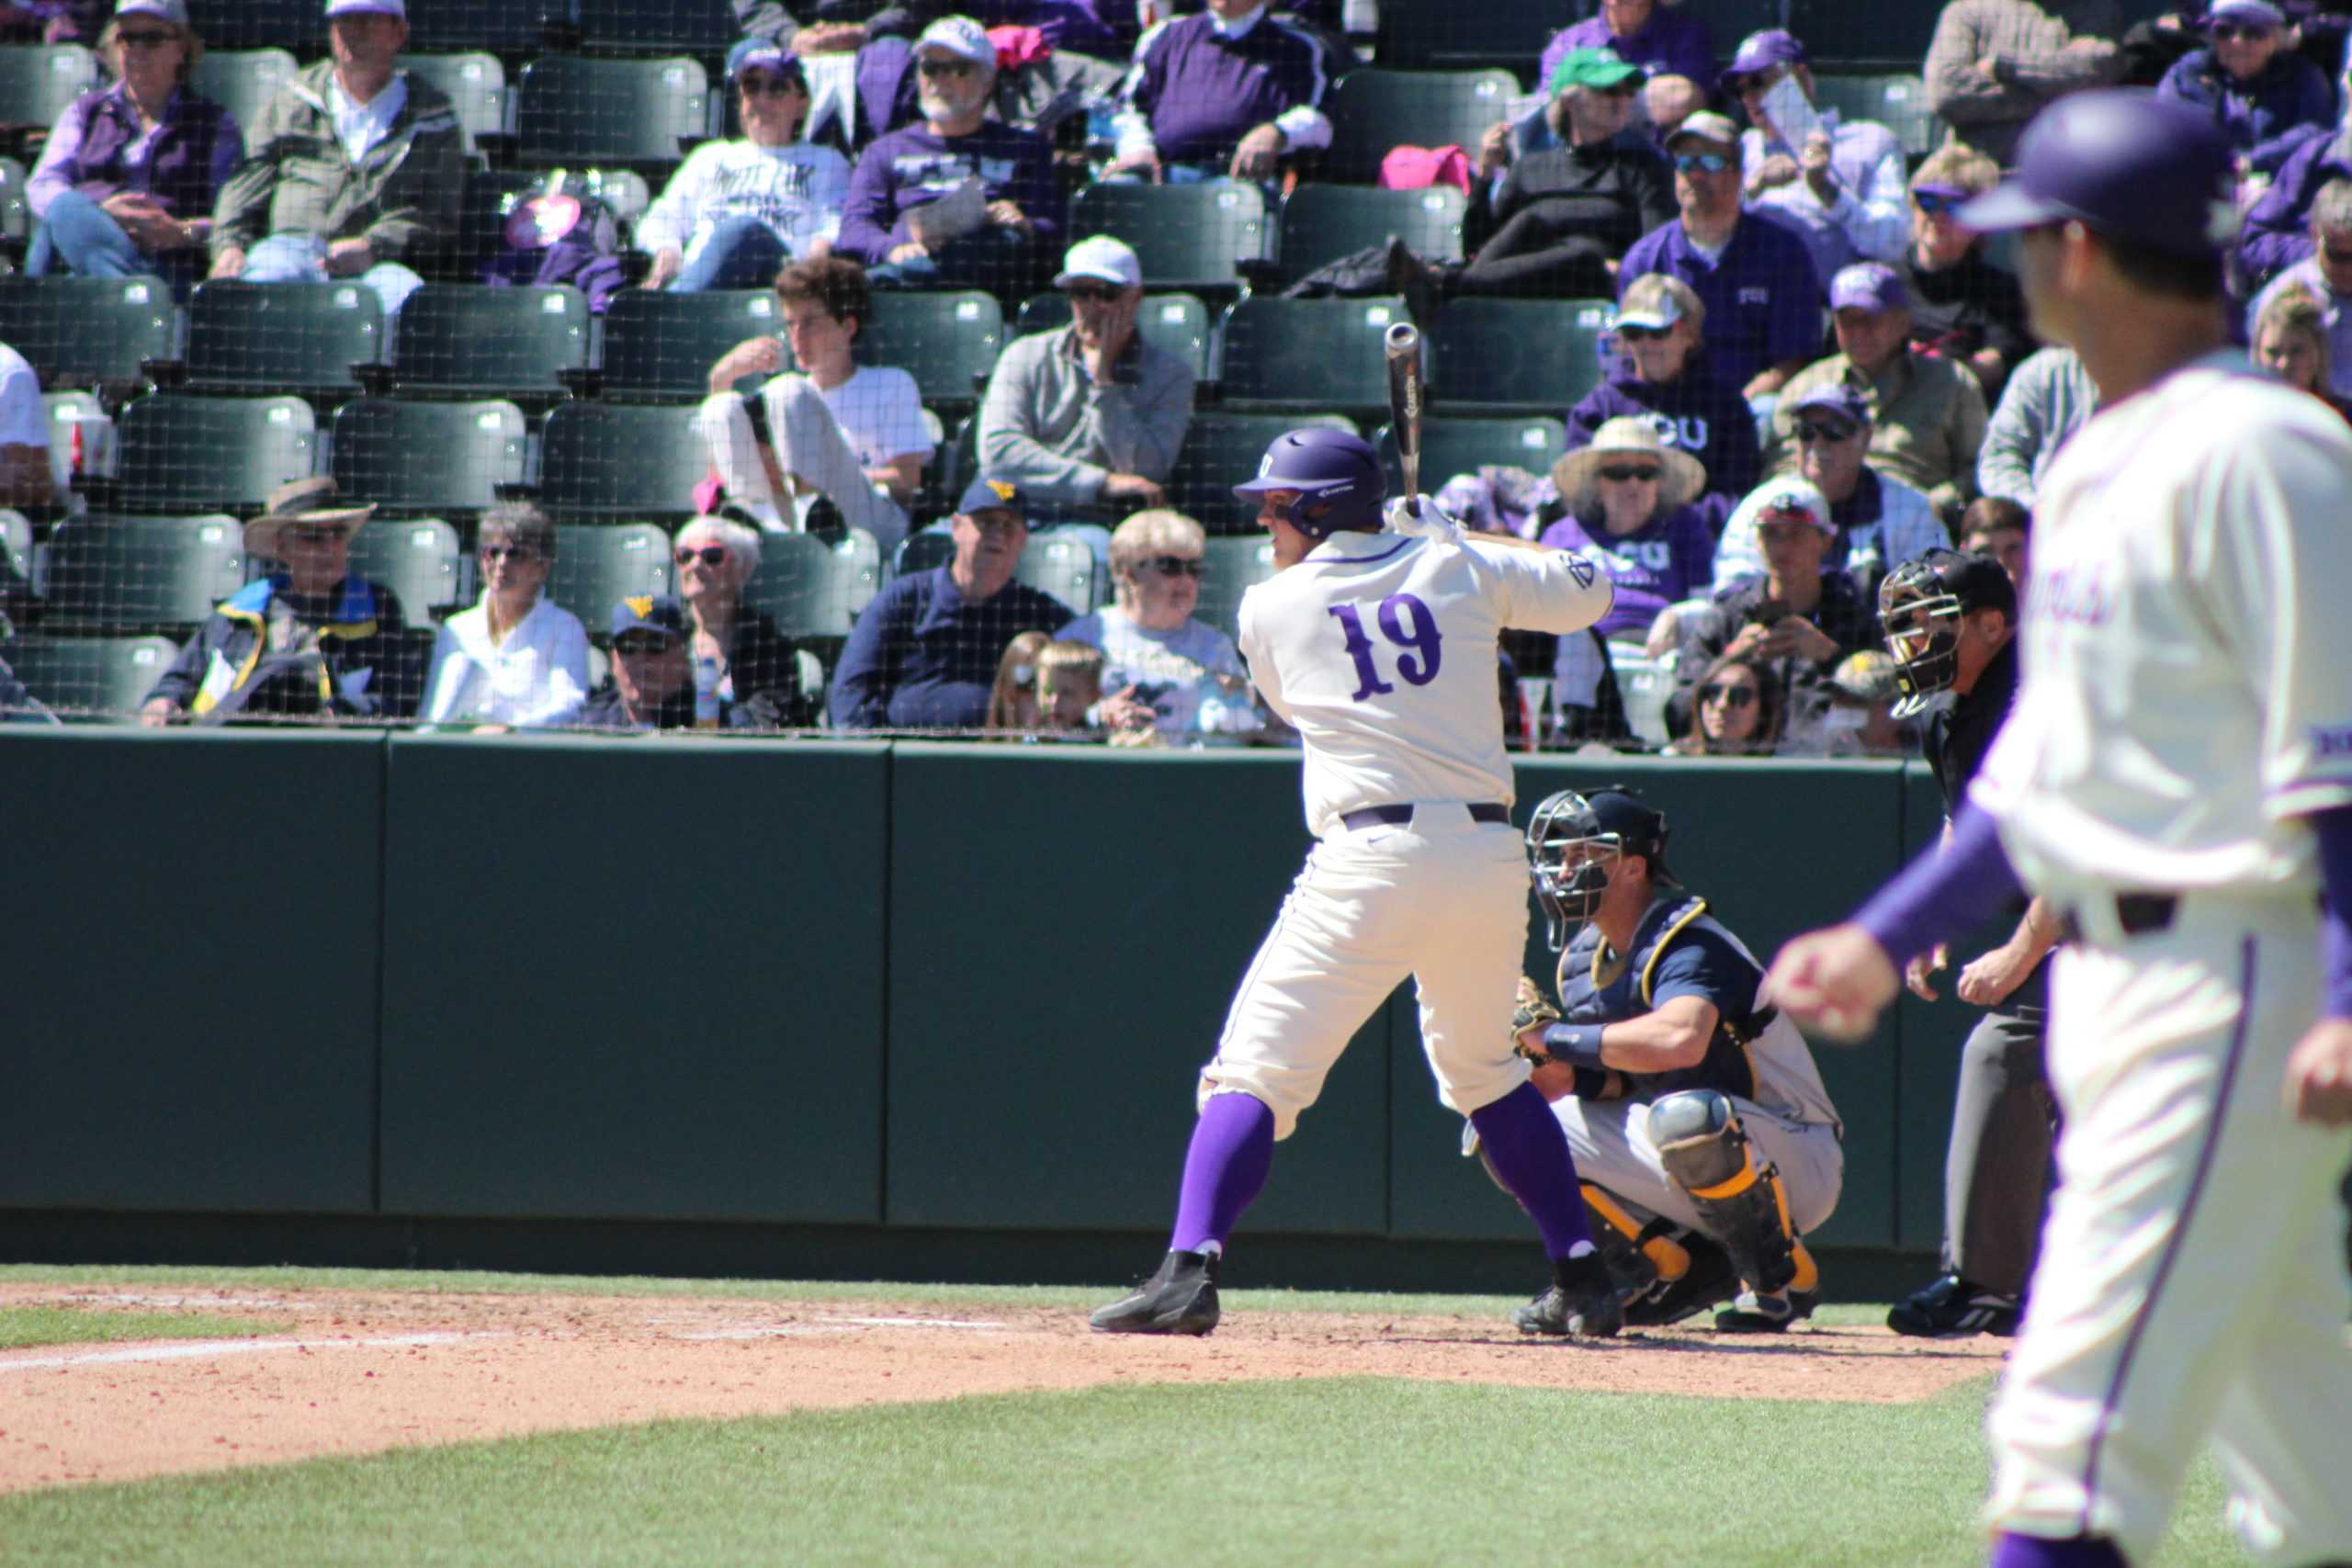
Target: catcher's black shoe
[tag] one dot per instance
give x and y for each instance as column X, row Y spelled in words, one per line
column 1180, row 1299
column 1951, row 1308
column 1582, row 1302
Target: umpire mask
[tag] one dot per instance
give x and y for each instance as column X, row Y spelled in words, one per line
column 1592, row 831
column 1921, row 605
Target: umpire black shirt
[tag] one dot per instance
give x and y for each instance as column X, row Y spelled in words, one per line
column 1958, row 734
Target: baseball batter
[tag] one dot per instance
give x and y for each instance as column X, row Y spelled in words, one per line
column 2176, row 778
column 1379, row 647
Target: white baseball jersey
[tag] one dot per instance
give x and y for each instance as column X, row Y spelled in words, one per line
column 2187, row 673
column 1379, row 649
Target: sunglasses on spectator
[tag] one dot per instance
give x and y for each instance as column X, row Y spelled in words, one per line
column 1637, row 473
column 710, row 555
column 1747, row 82
column 1822, row 430
column 1093, row 293
column 641, row 647
column 1935, row 203
column 509, row 552
column 994, row 522
column 1727, row 694
column 2337, row 256
column 2229, row 32
column 1174, row 566
column 147, row 40
column 315, row 533
column 770, row 86
column 1701, row 162
column 935, row 66
column 1641, row 334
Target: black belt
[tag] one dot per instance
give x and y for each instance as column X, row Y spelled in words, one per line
column 1398, row 816
column 2135, row 913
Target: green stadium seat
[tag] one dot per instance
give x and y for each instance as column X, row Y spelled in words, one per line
column 81, row 415
column 1228, row 570
column 1192, row 238
column 39, row 80
column 1322, row 224
column 243, row 81
column 181, row 454
column 574, row 110
column 418, row 558
column 1445, row 35
column 1373, row 110
column 509, row 31
column 282, row 337
column 475, row 83
column 1897, row 100
column 1177, row 322
column 595, row 568
column 632, row 460
column 921, row 552
column 795, row 584
column 660, row 346
column 657, row 27
column 470, row 340
column 1309, row 354
column 15, row 554
column 1220, row 451
column 140, row 573
column 15, row 206
column 947, row 342
column 296, row 25
column 1518, row 355
column 857, row 576
column 77, row 332
column 428, row 457
column 482, row 210
column 95, row 674
column 1451, row 447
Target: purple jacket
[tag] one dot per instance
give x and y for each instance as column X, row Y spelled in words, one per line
column 1672, row 42
column 1668, row 559
column 2265, row 119
column 2278, row 232
column 910, row 166
column 1763, row 297
column 1200, row 92
column 1695, row 413
column 194, row 149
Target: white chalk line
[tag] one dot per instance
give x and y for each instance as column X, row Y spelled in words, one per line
column 197, row 1349
column 837, row 1326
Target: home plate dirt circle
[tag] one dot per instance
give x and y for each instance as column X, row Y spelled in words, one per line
column 355, row 1372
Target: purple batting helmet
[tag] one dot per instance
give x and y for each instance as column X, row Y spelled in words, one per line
column 1336, row 475
column 2124, row 163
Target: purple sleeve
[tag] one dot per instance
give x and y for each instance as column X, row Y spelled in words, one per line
column 1944, row 893
column 1797, row 296
column 1551, row 54
column 1641, row 259
column 2335, row 831
column 2278, row 229
column 53, row 175
column 870, row 208
column 1036, row 192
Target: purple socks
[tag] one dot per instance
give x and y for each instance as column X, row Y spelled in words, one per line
column 2032, row 1552
column 1530, row 1154
column 1233, row 1148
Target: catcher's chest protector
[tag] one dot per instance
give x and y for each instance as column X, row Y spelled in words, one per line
column 1599, row 987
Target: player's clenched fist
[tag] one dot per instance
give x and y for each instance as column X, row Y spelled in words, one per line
column 2319, row 1074
column 1834, row 982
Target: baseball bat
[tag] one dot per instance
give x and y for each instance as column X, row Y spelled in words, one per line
column 1403, row 345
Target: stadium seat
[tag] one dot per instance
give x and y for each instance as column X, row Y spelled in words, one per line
column 1322, row 224
column 1898, row 101
column 795, row 584
column 575, row 110
column 282, row 337
column 621, row 460
column 1451, row 447
column 1308, row 354
column 77, row 332
column 656, row 26
column 1518, row 355
column 15, row 206
column 857, row 576
column 1220, row 451
column 470, row 340
column 296, row 25
column 1228, row 570
column 595, row 568
column 243, row 80
column 78, row 418
column 92, row 674
column 1445, row 35
column 38, row 80
column 948, row 342
column 1189, row 237
column 427, row 457
column 140, row 573
column 15, row 554
column 418, row 558
column 475, row 83
column 1052, row 562
column 921, row 552
column 661, row 345
column 1373, row 110
column 511, row 29
column 176, row 453
column 1177, row 322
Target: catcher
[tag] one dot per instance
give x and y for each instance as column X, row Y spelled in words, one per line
column 1706, row 1143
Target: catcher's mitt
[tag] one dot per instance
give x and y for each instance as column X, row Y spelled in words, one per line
column 1533, row 1007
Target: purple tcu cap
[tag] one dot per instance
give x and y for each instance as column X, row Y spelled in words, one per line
column 1773, row 46
column 2125, row 163
column 1868, row 285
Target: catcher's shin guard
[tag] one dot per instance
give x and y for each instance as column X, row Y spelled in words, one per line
column 1644, row 1258
column 1740, row 1203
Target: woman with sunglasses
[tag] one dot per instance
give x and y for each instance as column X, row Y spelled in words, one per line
column 758, row 667
column 517, row 658
column 1736, row 711
column 1660, row 376
column 1963, row 307
column 1162, row 667
column 1629, row 507
column 127, row 180
column 2267, row 97
column 737, row 210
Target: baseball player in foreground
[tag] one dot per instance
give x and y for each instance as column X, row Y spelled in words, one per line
column 1379, row 647
column 2176, row 778
column 1690, row 1106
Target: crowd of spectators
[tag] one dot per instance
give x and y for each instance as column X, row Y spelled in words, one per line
column 1814, row 371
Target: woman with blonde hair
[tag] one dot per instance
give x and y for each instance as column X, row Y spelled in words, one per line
column 1012, row 701
column 1661, row 378
column 1161, row 665
column 2291, row 342
column 757, row 666
column 1963, row 307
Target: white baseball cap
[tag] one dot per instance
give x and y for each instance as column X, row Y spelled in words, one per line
column 368, row 7
column 959, row 36
column 172, row 11
column 1790, row 498
column 1101, row 256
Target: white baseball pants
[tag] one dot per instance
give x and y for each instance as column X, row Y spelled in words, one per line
column 1611, row 1141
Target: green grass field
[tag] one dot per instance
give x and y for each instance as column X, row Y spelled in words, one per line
column 1308, row 1471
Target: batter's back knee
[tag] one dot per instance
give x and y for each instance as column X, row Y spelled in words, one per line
column 1740, row 1203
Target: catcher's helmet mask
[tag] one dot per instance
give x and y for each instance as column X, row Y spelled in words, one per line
column 1597, row 829
column 1921, row 605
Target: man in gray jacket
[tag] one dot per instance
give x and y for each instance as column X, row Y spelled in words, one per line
column 354, row 170
column 1090, row 413
column 2050, row 397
